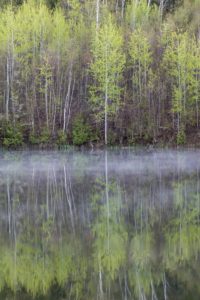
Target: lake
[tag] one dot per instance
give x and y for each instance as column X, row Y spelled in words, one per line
column 121, row 224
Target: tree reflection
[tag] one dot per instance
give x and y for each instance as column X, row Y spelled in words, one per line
column 109, row 240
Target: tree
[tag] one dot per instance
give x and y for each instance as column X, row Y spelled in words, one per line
column 180, row 61
column 140, row 62
column 106, row 68
column 7, row 38
column 137, row 13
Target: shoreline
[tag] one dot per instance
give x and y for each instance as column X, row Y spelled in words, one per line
column 96, row 147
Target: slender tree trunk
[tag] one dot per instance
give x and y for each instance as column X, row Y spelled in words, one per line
column 70, row 103
column 46, row 102
column 106, row 102
column 106, row 118
column 9, row 205
column 161, row 7
column 107, row 199
column 12, row 78
column 97, row 14
column 197, row 104
column 68, row 198
column 165, row 287
column 7, row 88
column 100, row 280
column 67, row 99
column 47, row 195
column 122, row 11
column 149, row 3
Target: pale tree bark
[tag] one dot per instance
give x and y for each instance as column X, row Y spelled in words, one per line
column 123, row 6
column 107, row 199
column 12, row 76
column 153, row 292
column 106, row 117
column 9, row 207
column 7, row 88
column 165, row 287
column 46, row 101
column 70, row 104
column 47, row 196
column 100, row 280
column 106, row 101
column 97, row 14
column 149, row 3
column 161, row 8
column 69, row 198
column 67, row 100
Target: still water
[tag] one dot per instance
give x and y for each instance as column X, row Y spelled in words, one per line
column 121, row 224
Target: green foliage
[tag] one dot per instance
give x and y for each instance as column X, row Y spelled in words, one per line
column 112, row 137
column 131, row 141
column 110, row 236
column 12, row 135
column 181, row 137
column 45, row 136
column 33, row 138
column 138, row 13
column 80, row 131
column 110, row 246
column 107, row 67
column 138, row 64
column 180, row 61
column 52, row 3
column 61, row 138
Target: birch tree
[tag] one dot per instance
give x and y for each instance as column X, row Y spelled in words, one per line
column 140, row 62
column 106, row 68
column 7, row 36
column 181, row 64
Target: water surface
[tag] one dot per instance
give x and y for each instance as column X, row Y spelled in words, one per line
column 121, row 224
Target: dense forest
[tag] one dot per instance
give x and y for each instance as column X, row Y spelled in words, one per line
column 99, row 72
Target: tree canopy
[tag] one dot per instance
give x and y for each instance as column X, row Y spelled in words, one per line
column 127, row 70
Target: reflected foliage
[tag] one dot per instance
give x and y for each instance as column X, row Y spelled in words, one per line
column 101, row 233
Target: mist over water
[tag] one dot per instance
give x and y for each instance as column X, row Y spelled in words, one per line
column 126, row 161
column 120, row 224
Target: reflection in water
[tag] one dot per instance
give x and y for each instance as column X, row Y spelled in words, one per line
column 107, row 225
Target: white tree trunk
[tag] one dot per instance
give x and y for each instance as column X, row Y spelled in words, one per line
column 7, row 88
column 106, row 119
column 97, row 14
column 46, row 102
column 67, row 100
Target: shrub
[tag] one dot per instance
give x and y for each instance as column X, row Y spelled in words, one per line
column 80, row 131
column 61, row 138
column 112, row 137
column 33, row 139
column 12, row 135
column 181, row 137
column 45, row 136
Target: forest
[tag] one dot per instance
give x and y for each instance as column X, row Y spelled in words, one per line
column 98, row 72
